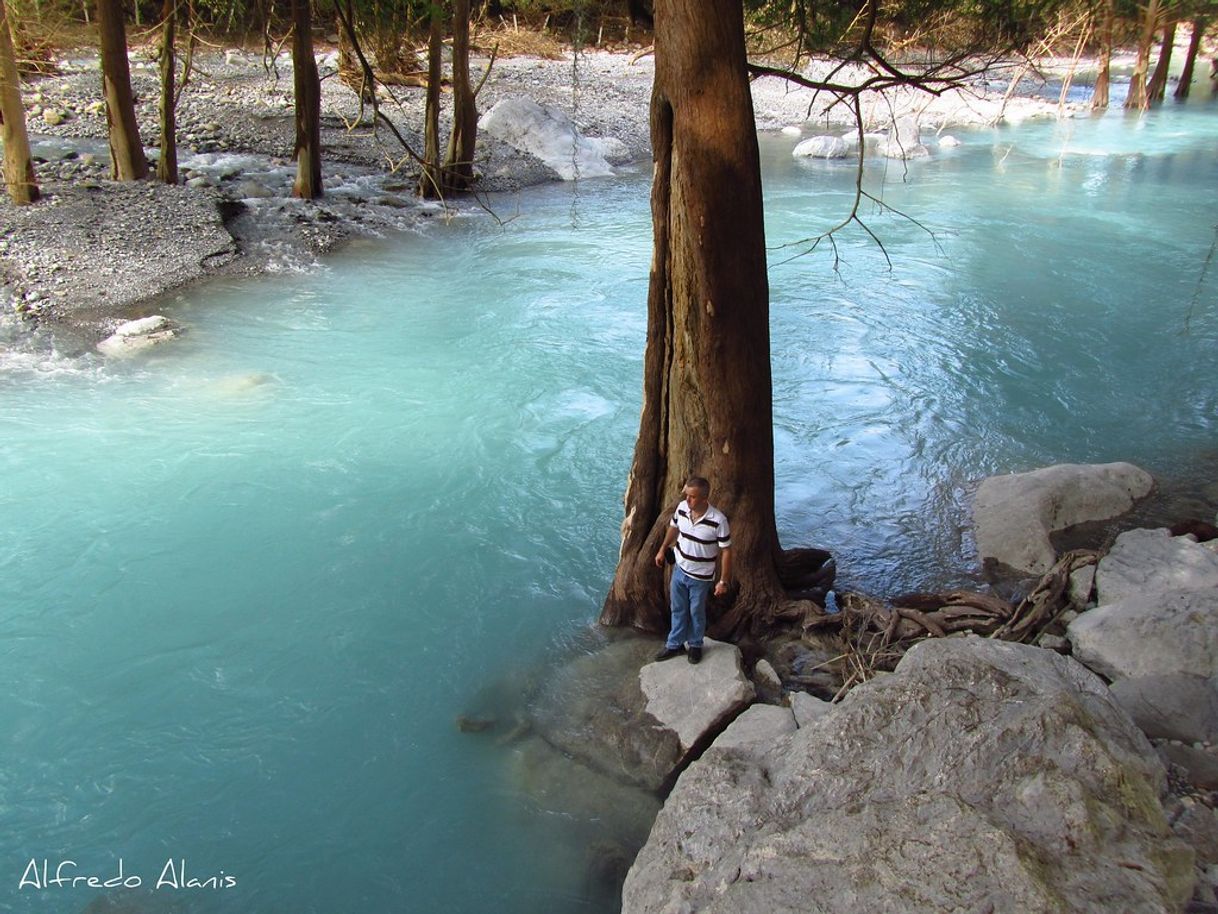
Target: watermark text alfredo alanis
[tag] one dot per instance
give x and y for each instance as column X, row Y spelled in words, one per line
column 40, row 875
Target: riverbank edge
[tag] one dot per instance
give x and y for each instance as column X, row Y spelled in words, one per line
column 95, row 253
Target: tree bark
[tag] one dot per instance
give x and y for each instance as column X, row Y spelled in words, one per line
column 1099, row 98
column 1190, row 59
column 167, row 164
column 307, row 87
column 1137, row 97
column 127, row 161
column 18, row 164
column 706, row 376
column 1157, row 89
column 430, row 180
column 458, row 168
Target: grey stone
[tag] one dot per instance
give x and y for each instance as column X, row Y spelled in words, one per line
column 252, row 189
column 1200, row 766
column 1197, row 825
column 1177, row 706
column 1082, row 586
column 823, row 147
column 53, row 117
column 948, row 142
column 1150, row 635
column 981, row 775
column 1014, row 514
column 808, row 708
column 769, row 685
column 1148, row 561
column 756, row 727
column 695, row 701
column 1051, row 642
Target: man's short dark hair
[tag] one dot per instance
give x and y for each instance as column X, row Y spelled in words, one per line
column 699, row 483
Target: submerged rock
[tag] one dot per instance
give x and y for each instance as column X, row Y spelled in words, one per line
column 1014, row 514
column 903, row 141
column 980, row 776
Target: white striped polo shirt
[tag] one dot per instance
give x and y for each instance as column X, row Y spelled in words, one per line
column 698, row 543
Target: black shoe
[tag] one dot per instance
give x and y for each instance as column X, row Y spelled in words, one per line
column 668, row 653
column 695, row 655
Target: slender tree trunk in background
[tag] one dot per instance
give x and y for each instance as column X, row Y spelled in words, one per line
column 167, row 164
column 1190, row 59
column 1157, row 88
column 127, row 161
column 430, row 180
column 1099, row 98
column 458, row 166
column 706, row 375
column 1137, row 97
column 18, row 164
column 308, row 104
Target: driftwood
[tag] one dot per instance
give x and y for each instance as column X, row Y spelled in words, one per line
column 875, row 636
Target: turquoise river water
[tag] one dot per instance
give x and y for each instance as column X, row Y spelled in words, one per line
column 249, row 582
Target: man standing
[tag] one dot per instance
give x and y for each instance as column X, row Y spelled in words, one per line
column 701, row 533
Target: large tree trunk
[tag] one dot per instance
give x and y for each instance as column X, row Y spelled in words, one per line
column 307, row 87
column 430, row 179
column 18, row 164
column 167, row 164
column 1190, row 59
column 1157, row 88
column 1099, row 98
column 1137, row 97
column 458, row 169
column 127, row 161
column 706, row 374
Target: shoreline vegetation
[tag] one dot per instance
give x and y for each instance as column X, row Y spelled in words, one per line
column 94, row 253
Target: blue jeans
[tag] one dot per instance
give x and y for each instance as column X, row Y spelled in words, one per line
column 687, row 596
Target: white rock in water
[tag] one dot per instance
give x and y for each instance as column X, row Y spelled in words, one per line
column 200, row 181
column 903, row 141
column 136, row 336
column 552, row 136
column 52, row 117
column 822, row 147
column 949, row 142
column 791, row 131
column 694, row 700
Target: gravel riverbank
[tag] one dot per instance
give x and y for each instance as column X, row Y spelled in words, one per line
column 94, row 252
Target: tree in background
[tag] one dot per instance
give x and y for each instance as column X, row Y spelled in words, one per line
column 307, row 86
column 127, row 161
column 1190, row 59
column 1156, row 89
column 171, row 90
column 1137, row 97
column 1103, row 79
column 431, row 182
column 18, row 164
column 457, row 172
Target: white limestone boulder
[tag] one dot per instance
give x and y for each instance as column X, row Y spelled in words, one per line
column 136, row 336
column 808, row 708
column 1143, row 562
column 822, row 147
column 550, row 135
column 1013, row 515
column 903, row 141
column 980, row 776
column 1150, row 634
column 1179, row 706
column 697, row 701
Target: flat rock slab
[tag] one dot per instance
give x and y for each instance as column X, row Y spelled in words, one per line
column 980, row 776
column 1200, row 766
column 697, row 700
column 1150, row 635
column 1013, row 515
column 757, row 727
column 1142, row 562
